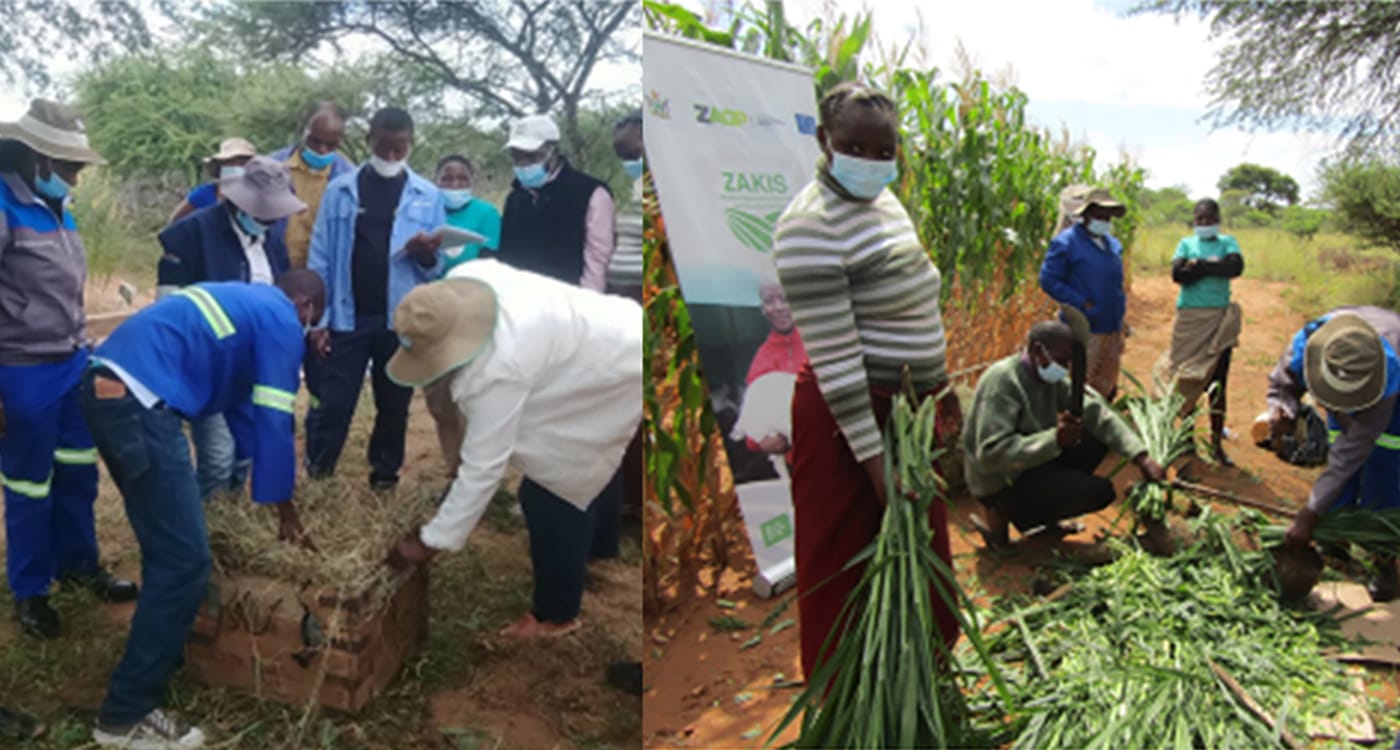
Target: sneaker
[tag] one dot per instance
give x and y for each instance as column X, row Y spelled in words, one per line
column 158, row 731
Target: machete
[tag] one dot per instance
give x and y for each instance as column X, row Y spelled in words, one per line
column 1079, row 365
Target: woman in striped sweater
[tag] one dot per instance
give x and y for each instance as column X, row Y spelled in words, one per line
column 864, row 295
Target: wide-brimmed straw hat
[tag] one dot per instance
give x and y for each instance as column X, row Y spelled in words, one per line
column 1101, row 197
column 264, row 190
column 441, row 326
column 54, row 130
column 1344, row 364
column 232, row 148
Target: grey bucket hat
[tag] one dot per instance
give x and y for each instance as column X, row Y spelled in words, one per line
column 54, row 130
column 264, row 190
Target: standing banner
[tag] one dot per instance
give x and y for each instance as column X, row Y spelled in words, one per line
column 730, row 139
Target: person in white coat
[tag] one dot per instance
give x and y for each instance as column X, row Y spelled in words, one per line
column 549, row 378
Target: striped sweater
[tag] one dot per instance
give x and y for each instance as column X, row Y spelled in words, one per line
column 864, row 295
column 625, row 268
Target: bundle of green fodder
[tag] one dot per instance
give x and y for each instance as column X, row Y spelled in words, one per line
column 1376, row 531
column 352, row 527
column 1189, row 651
column 892, row 684
column 1167, row 439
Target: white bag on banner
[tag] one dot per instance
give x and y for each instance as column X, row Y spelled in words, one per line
column 730, row 139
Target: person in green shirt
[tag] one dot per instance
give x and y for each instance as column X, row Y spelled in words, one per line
column 1027, row 459
column 455, row 177
column 1207, row 325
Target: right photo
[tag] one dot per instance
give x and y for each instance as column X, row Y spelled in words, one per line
column 1021, row 375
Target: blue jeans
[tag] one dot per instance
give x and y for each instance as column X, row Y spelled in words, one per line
column 149, row 459
column 562, row 539
column 216, row 466
column 49, row 470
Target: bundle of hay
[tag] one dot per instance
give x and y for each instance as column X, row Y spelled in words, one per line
column 352, row 527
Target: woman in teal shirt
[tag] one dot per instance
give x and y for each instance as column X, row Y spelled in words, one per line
column 464, row 211
column 1207, row 323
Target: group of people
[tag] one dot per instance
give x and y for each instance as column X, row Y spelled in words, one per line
column 864, row 297
column 303, row 267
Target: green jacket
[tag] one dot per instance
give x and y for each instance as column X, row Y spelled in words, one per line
column 1011, row 427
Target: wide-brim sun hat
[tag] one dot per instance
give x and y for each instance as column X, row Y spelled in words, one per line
column 264, row 190
column 232, row 148
column 442, row 325
column 54, row 130
column 1344, row 364
column 1101, row 197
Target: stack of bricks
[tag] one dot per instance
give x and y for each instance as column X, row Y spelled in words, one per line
column 304, row 645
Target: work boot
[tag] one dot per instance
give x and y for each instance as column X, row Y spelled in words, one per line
column 626, row 676
column 17, row 726
column 37, row 618
column 158, row 731
column 104, row 586
column 1385, row 585
column 995, row 531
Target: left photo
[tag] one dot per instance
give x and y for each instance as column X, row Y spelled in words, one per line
column 321, row 375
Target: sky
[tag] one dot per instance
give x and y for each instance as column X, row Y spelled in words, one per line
column 1133, row 84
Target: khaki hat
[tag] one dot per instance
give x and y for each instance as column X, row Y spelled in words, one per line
column 1100, row 197
column 1344, row 364
column 442, row 325
column 1072, row 197
column 232, row 148
column 531, row 133
column 264, row 190
column 54, row 130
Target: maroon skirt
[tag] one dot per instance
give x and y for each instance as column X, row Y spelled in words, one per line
column 836, row 515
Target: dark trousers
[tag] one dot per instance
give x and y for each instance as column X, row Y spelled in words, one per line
column 336, row 391
column 149, row 459
column 562, row 539
column 1063, row 488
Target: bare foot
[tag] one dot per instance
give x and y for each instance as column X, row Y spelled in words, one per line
column 528, row 628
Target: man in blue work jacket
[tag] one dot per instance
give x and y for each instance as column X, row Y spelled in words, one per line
column 371, row 247
column 228, row 241
column 1347, row 359
column 47, row 463
column 225, row 348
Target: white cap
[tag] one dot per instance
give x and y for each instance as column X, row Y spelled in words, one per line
column 531, row 133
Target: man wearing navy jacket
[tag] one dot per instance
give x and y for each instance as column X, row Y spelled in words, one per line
column 226, row 348
column 228, row 241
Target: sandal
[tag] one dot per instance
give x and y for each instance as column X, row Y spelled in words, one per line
column 529, row 627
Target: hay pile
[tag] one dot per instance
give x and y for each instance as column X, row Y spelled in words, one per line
column 352, row 527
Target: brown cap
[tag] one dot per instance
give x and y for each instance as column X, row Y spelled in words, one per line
column 1100, row 197
column 264, row 190
column 1344, row 364
column 54, row 130
column 232, row 148
column 442, row 326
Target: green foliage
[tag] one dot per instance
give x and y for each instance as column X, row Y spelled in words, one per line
column 1167, row 206
column 1304, row 222
column 1366, row 197
column 1315, row 65
column 37, row 33
column 1264, row 188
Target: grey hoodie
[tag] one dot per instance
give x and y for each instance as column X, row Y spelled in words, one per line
column 43, row 270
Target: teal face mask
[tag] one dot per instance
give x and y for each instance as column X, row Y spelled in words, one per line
column 252, row 226
column 456, row 199
column 633, row 168
column 532, row 176
column 315, row 160
column 51, row 187
column 1208, row 233
column 863, row 178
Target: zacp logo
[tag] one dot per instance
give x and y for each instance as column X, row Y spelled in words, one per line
column 776, row 530
column 734, row 118
column 659, row 105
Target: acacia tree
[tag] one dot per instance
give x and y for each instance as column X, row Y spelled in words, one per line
column 87, row 31
column 1264, row 187
column 1316, row 65
column 510, row 57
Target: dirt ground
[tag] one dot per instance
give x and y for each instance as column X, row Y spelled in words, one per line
column 706, row 690
column 466, row 690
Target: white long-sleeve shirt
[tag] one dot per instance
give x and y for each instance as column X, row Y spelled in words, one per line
column 557, row 392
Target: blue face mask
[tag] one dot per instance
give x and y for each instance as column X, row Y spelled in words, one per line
column 1098, row 227
column 252, row 226
column 315, row 160
column 456, row 199
column 532, row 176
column 863, row 178
column 1208, row 233
column 633, row 168
column 54, row 187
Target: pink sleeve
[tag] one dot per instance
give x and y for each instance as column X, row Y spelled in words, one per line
column 599, row 244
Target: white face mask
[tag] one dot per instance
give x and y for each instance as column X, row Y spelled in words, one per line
column 386, row 168
column 1053, row 372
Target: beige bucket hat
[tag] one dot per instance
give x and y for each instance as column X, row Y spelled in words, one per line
column 232, row 148
column 442, row 326
column 1101, row 197
column 1344, row 364
column 54, row 130
column 264, row 190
